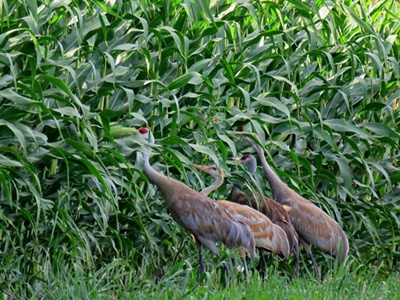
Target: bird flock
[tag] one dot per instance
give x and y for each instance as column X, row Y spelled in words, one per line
column 248, row 221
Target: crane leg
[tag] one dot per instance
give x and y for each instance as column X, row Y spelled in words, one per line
column 316, row 269
column 297, row 266
column 246, row 270
column 307, row 247
column 201, row 263
column 261, row 264
column 228, row 271
column 297, row 263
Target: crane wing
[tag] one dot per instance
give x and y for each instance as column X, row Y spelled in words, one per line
column 210, row 222
column 273, row 210
column 266, row 234
column 316, row 227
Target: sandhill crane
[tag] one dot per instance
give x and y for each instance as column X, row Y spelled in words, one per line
column 267, row 235
column 205, row 219
column 273, row 210
column 312, row 224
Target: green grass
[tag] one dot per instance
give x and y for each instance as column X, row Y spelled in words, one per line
column 116, row 281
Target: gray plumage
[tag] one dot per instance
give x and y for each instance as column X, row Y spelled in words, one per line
column 272, row 209
column 207, row 221
column 312, row 224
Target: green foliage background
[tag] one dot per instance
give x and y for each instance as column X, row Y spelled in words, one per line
column 316, row 80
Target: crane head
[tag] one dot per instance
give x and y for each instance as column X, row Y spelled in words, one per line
column 145, row 134
column 249, row 161
column 245, row 158
column 213, row 170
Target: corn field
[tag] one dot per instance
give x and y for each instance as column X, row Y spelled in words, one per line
column 317, row 81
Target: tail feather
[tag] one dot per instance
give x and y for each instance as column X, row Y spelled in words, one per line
column 274, row 211
column 343, row 246
column 281, row 243
column 240, row 235
column 292, row 236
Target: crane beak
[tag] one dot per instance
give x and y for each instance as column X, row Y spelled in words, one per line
column 200, row 167
column 209, row 169
column 252, row 139
column 247, row 137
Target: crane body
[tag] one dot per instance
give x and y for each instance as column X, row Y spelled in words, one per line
column 312, row 224
column 207, row 221
column 267, row 235
column 273, row 210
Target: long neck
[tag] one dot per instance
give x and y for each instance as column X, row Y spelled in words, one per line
column 278, row 188
column 216, row 184
column 156, row 177
column 238, row 187
column 236, row 191
column 252, row 165
column 168, row 186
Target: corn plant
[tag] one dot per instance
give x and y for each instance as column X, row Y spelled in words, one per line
column 316, row 80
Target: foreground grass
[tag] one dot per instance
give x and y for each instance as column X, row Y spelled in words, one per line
column 116, row 281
